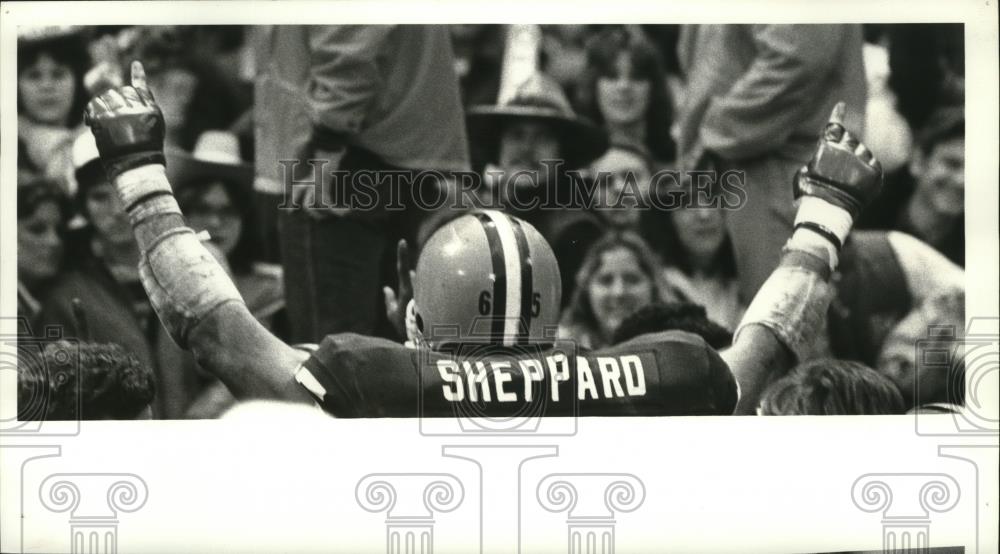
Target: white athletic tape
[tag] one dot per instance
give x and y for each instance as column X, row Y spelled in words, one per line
column 836, row 219
column 809, row 241
column 184, row 281
column 157, row 205
column 141, row 182
column 792, row 303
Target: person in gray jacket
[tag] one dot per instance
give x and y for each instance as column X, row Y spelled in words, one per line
column 356, row 98
column 753, row 96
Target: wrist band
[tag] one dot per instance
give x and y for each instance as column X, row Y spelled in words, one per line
column 834, row 218
column 803, row 259
column 159, row 203
column 139, row 183
column 821, row 230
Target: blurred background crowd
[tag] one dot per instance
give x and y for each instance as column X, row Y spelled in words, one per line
column 618, row 102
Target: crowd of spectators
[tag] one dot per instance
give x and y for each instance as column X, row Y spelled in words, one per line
column 616, row 103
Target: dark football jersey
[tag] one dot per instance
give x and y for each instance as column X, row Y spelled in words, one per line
column 670, row 373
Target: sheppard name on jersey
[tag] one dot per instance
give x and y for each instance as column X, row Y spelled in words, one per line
column 613, row 377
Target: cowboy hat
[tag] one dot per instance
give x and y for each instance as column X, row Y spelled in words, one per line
column 216, row 155
column 540, row 98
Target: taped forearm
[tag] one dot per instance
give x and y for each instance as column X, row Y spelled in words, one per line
column 793, row 302
column 182, row 278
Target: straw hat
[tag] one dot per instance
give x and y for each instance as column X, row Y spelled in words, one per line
column 541, row 98
column 216, row 155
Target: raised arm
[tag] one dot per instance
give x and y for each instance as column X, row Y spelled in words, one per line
column 194, row 298
column 787, row 313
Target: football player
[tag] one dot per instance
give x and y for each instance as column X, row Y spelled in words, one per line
column 485, row 302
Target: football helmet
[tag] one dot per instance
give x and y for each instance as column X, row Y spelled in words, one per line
column 487, row 278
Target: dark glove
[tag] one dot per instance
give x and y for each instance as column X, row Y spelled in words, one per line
column 842, row 171
column 127, row 125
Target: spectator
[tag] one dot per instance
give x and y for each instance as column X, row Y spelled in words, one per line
column 622, row 178
column 832, row 387
column 755, row 96
column 883, row 277
column 673, row 316
column 83, row 382
column 51, row 64
column 698, row 258
column 939, row 322
column 360, row 98
column 930, row 204
column 42, row 213
column 619, row 275
column 625, row 90
column 104, row 278
column 535, row 125
column 214, row 189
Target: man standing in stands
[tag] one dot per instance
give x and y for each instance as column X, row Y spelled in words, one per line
column 754, row 95
column 352, row 97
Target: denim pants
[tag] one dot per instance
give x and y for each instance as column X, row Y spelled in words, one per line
column 335, row 267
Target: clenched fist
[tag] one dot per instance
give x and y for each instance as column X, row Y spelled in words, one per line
column 842, row 171
column 127, row 125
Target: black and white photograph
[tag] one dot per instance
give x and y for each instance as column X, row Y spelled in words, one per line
column 499, row 285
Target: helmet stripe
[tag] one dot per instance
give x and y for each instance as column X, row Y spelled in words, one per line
column 511, row 303
column 527, row 282
column 499, row 270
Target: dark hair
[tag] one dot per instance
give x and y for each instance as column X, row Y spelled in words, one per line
column 34, row 193
column 82, row 381
column 246, row 251
column 603, row 51
column 579, row 315
column 67, row 49
column 832, row 387
column 945, row 123
column 671, row 316
column 657, row 226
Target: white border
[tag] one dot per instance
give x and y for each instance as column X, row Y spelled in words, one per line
column 736, row 485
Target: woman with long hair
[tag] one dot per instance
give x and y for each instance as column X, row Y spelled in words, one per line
column 625, row 89
column 619, row 275
column 698, row 258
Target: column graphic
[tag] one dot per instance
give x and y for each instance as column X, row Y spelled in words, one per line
column 93, row 501
column 906, row 501
column 591, row 501
column 409, row 501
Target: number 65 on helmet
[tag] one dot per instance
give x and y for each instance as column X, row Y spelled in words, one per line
column 487, row 278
